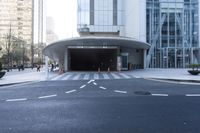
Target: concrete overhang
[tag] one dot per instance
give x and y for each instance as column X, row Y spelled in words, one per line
column 56, row 50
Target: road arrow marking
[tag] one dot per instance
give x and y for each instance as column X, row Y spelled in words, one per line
column 101, row 87
column 90, row 81
column 82, row 86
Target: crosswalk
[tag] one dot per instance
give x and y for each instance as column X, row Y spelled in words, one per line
column 89, row 76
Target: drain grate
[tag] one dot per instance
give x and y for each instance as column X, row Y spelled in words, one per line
column 142, row 93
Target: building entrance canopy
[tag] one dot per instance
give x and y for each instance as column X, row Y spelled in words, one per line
column 57, row 50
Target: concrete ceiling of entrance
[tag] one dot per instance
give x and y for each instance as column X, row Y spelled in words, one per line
column 56, row 50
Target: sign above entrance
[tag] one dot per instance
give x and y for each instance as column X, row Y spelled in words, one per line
column 92, row 47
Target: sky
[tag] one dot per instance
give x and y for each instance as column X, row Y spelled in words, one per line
column 65, row 17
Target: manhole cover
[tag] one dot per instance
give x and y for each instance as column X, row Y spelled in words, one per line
column 142, row 93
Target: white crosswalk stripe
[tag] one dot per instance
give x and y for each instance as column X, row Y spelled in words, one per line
column 88, row 76
column 124, row 75
column 67, row 77
column 57, row 77
column 96, row 76
column 115, row 76
column 76, row 77
column 105, row 76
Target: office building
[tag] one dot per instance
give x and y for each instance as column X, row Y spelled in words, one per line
column 131, row 34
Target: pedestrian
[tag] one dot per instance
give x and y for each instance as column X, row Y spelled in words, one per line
column 52, row 67
column 38, row 68
column 18, row 68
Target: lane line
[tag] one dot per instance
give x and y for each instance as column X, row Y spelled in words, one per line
column 101, row 87
column 49, row 96
column 90, row 81
column 82, row 86
column 117, row 91
column 192, row 95
column 161, row 95
column 70, row 91
column 94, row 83
column 16, row 100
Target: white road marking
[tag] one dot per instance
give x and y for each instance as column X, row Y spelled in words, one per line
column 124, row 75
column 96, row 76
column 42, row 97
column 15, row 100
column 192, row 95
column 70, row 91
column 94, row 83
column 115, row 76
column 101, row 87
column 105, row 76
column 82, row 86
column 77, row 77
column 90, row 81
column 67, row 77
column 57, row 77
column 86, row 77
column 161, row 95
column 117, row 91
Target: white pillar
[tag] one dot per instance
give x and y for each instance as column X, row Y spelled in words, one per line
column 66, row 60
column 145, row 58
column 46, row 68
column 192, row 56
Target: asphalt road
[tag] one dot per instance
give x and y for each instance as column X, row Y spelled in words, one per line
column 102, row 106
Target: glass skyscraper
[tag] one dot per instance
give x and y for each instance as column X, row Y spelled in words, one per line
column 173, row 32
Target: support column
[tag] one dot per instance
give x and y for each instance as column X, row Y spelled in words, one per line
column 46, row 68
column 144, row 58
column 66, row 60
column 192, row 56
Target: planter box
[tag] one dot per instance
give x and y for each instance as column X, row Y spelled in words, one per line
column 2, row 74
column 195, row 72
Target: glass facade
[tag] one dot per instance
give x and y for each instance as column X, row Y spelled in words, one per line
column 100, row 16
column 172, row 31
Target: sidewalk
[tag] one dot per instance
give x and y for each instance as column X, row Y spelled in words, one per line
column 28, row 75
column 166, row 74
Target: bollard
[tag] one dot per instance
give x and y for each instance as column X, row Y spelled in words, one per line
column 99, row 69
column 108, row 69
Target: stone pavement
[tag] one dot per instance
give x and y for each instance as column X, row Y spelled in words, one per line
column 29, row 75
column 171, row 74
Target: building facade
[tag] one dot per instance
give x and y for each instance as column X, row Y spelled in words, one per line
column 173, row 32
column 170, row 26
column 166, row 32
column 107, row 41
column 16, row 15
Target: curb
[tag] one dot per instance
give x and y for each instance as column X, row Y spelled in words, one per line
column 178, row 80
column 18, row 83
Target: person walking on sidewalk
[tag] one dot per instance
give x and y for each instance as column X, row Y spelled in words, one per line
column 38, row 68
